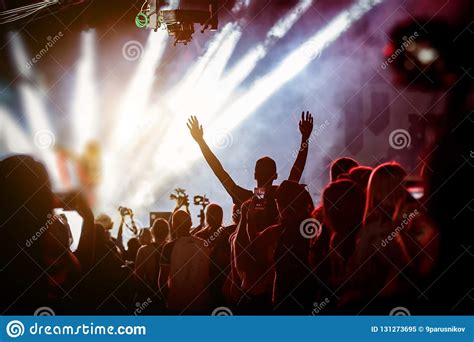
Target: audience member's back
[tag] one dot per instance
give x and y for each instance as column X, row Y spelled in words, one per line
column 343, row 205
column 187, row 261
column 319, row 246
column 376, row 263
column 292, row 291
column 26, row 213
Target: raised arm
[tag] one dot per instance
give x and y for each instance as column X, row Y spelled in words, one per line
column 306, row 127
column 119, row 240
column 197, row 133
column 85, row 248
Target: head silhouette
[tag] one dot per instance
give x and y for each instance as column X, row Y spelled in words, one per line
column 214, row 215
column 265, row 171
column 343, row 204
column 360, row 175
column 181, row 224
column 385, row 191
column 341, row 166
column 132, row 248
column 105, row 221
column 160, row 230
column 146, row 237
column 26, row 199
column 294, row 201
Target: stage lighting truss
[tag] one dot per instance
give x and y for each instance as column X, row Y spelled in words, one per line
column 178, row 22
column 14, row 14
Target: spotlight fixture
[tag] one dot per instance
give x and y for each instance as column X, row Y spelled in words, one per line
column 178, row 22
column 427, row 54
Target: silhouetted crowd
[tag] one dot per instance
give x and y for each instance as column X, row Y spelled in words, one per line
column 368, row 247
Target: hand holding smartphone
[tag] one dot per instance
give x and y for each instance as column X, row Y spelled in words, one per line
column 65, row 200
column 72, row 201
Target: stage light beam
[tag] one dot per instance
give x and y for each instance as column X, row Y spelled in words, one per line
column 133, row 104
column 256, row 95
column 203, row 88
column 41, row 129
column 247, row 64
column 35, row 110
column 131, row 112
column 85, row 104
column 291, row 66
column 15, row 139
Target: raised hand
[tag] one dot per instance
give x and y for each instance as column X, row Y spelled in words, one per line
column 306, row 125
column 76, row 201
column 195, row 129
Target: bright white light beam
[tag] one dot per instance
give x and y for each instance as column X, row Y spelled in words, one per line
column 131, row 111
column 262, row 89
column 134, row 102
column 195, row 88
column 15, row 139
column 41, row 130
column 206, row 94
column 85, row 105
column 291, row 66
column 36, row 113
column 248, row 62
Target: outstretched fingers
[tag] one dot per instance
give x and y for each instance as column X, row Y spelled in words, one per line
column 192, row 121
